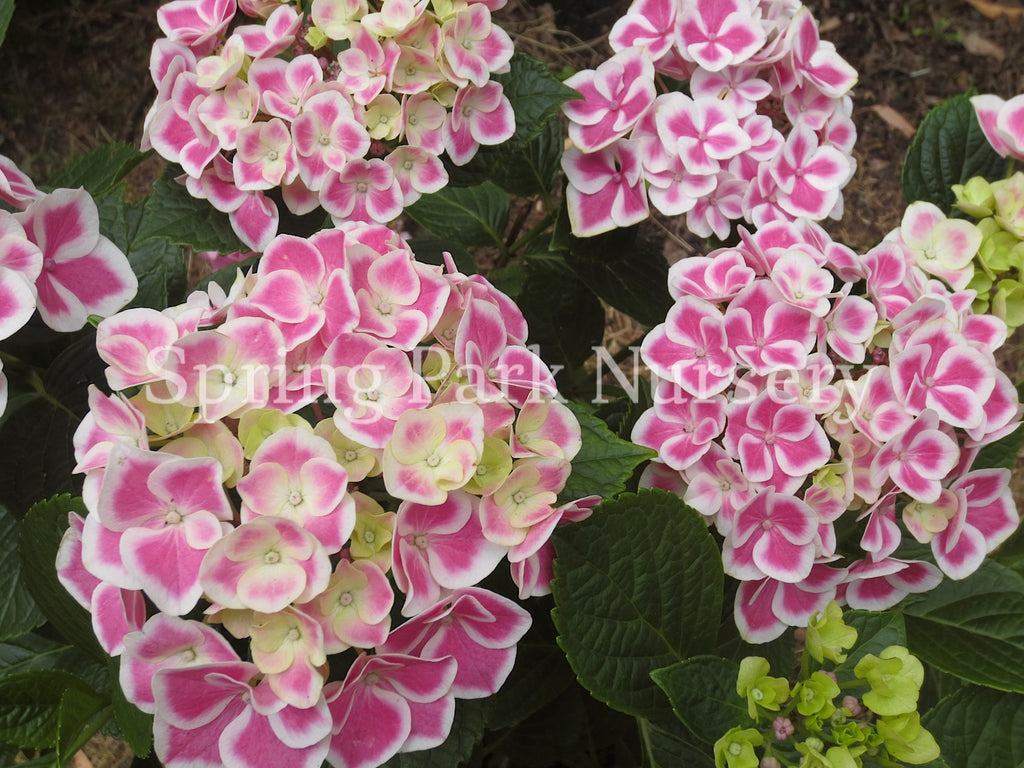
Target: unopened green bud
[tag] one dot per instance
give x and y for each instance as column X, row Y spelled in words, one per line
column 851, row 735
column 906, row 739
column 736, row 748
column 814, row 696
column 317, row 39
column 975, row 197
column 828, row 635
column 493, row 469
column 758, row 688
column 1009, row 197
column 1008, row 303
column 258, row 424
column 996, row 249
column 895, row 677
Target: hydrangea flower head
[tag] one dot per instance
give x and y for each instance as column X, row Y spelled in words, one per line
column 229, row 486
column 761, row 133
column 348, row 108
column 830, row 389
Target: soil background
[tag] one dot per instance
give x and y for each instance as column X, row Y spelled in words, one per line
column 74, row 75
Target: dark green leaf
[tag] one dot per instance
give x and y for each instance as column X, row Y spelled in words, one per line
column 172, row 214
column 637, row 587
column 540, row 675
column 468, row 215
column 973, row 628
column 571, row 730
column 113, row 215
column 162, row 272
column 41, row 533
column 466, row 731
column 509, row 279
column 1011, row 552
column 605, row 462
column 31, row 707
column 702, row 690
column 72, row 372
column 621, row 413
column 16, row 402
column 670, row 744
column 99, row 170
column 536, row 743
column 39, row 456
column 1002, row 454
column 135, row 725
column 18, row 611
column 536, row 96
column 875, row 633
column 160, row 266
column 6, row 12
column 949, row 148
column 780, row 652
column 566, row 319
column 630, row 275
column 32, row 651
column 80, row 714
column 979, row 728
column 524, row 170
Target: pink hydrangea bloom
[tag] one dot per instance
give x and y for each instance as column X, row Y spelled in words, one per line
column 848, row 388
column 614, row 98
column 304, row 565
column 83, row 273
column 247, row 103
column 710, row 149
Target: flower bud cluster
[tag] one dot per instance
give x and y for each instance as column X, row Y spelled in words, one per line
column 813, row 725
column 801, row 387
column 347, row 106
column 761, row 131
column 53, row 259
column 999, row 261
column 343, row 430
